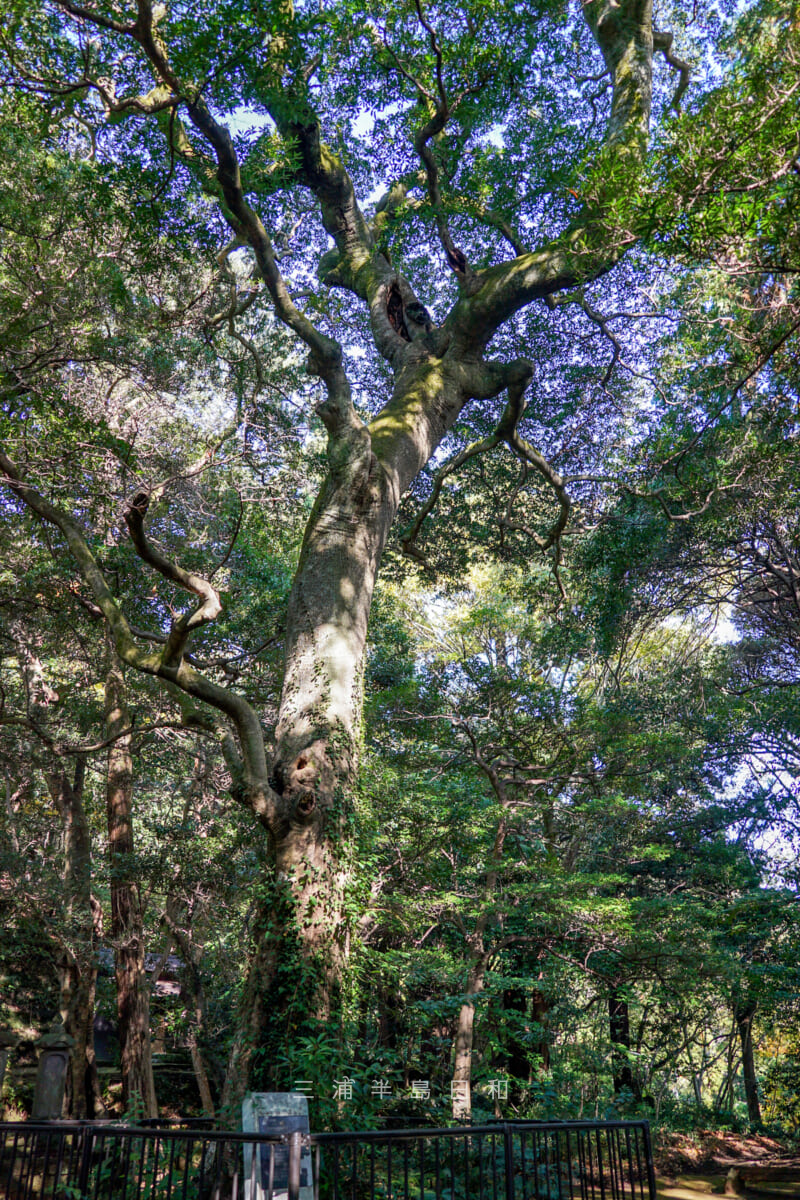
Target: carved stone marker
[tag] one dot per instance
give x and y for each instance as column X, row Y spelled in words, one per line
column 106, row 1041
column 51, row 1075
column 276, row 1114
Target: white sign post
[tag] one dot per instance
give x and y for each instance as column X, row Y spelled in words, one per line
column 266, row 1165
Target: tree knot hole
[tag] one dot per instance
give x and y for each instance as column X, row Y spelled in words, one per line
column 306, row 804
column 140, row 501
column 394, row 311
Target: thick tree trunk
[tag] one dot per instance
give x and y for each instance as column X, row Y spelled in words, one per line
column 620, row 1036
column 304, row 929
column 318, row 730
column 127, row 933
column 77, row 1015
column 83, row 1097
column 744, row 1023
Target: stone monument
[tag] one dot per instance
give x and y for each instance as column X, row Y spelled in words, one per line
column 276, row 1114
column 51, row 1075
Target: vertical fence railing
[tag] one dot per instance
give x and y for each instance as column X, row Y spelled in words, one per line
column 571, row 1160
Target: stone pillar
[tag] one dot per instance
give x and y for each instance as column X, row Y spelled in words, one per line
column 51, row 1077
column 8, row 1043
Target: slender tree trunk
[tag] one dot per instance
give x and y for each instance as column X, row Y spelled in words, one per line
column 697, row 1087
column 620, row 1036
column 77, row 970
column 725, row 1094
column 744, row 1022
column 193, row 984
column 201, row 1074
column 95, row 1104
column 127, row 932
column 11, row 802
column 463, row 1041
column 540, row 1014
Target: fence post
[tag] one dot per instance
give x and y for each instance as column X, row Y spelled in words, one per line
column 86, row 1159
column 295, row 1151
column 648, row 1149
column 508, row 1148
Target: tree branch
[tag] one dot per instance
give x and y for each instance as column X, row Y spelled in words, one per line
column 210, row 606
column 95, row 18
column 326, row 358
column 181, row 674
column 587, row 249
column 598, row 319
column 441, row 111
column 409, row 535
column 663, row 42
column 422, row 144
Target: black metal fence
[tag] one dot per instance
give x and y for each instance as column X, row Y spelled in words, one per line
column 569, row 1160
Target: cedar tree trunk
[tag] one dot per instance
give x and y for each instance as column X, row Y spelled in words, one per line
column 744, row 1023
column 620, row 1036
column 77, row 970
column 77, row 963
column 127, row 934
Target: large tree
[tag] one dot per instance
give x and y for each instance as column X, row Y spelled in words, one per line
column 498, row 193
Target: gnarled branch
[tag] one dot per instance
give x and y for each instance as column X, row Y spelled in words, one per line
column 209, row 607
column 623, row 32
column 506, row 431
column 663, row 42
column 160, row 664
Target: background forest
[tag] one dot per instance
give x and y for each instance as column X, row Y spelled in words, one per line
column 543, row 859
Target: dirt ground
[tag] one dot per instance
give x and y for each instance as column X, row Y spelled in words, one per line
column 689, row 1167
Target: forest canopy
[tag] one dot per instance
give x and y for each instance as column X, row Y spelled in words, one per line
column 399, row 609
